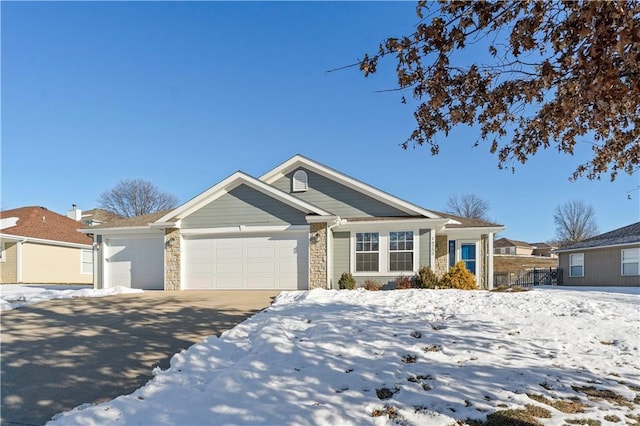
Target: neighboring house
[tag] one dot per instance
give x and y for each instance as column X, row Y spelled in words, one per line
column 512, row 247
column 41, row 246
column 92, row 217
column 544, row 250
column 299, row 226
column 520, row 248
column 612, row 258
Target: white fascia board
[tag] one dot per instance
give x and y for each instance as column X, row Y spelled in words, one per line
column 391, row 224
column 474, row 230
column 596, row 247
column 123, row 230
column 242, row 229
column 9, row 237
column 323, row 219
column 299, row 160
column 230, row 183
column 164, row 225
column 45, row 241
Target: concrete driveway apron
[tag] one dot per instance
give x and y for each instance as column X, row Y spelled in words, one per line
column 59, row 354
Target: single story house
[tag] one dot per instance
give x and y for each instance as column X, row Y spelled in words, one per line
column 41, row 246
column 512, row 247
column 611, row 259
column 299, row 226
column 544, row 250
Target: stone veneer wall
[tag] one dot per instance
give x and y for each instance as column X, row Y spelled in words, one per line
column 318, row 255
column 442, row 259
column 172, row 259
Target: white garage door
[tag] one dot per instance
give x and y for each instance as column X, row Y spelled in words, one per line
column 135, row 263
column 247, row 262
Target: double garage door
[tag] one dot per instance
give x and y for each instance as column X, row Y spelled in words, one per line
column 246, row 261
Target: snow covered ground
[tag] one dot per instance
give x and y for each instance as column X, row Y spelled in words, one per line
column 402, row 357
column 19, row 295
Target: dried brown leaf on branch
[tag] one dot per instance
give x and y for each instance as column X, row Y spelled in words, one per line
column 557, row 73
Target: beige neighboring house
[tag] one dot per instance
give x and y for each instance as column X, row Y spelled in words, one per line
column 510, row 247
column 41, row 246
column 609, row 259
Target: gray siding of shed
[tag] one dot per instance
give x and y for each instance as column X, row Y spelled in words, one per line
column 337, row 198
column 244, row 206
column 602, row 267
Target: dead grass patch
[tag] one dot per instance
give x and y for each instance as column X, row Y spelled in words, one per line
column 570, row 406
column 612, row 418
column 507, row 289
column 606, row 394
column 526, row 416
column 588, row 422
column 388, row 410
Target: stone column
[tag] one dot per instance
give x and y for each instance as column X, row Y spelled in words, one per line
column 172, row 259
column 442, row 259
column 318, row 255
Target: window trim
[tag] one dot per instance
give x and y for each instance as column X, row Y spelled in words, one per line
column 82, row 262
column 299, row 181
column 366, row 251
column 413, row 248
column 383, row 252
column 622, row 262
column 571, row 264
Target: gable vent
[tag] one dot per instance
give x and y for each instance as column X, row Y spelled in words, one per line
column 299, row 183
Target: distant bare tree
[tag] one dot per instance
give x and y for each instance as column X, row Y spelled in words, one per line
column 575, row 221
column 135, row 197
column 468, row 205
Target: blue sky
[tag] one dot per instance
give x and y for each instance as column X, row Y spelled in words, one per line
column 184, row 94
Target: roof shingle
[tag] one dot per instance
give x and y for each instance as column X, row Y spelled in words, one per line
column 626, row 235
column 38, row 222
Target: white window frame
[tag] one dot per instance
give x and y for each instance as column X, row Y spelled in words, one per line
column 633, row 258
column 413, row 248
column 299, row 181
column 83, row 263
column 3, row 256
column 383, row 252
column 366, row 251
column 572, row 264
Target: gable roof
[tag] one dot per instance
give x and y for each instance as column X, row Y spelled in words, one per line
column 629, row 234
column 38, row 222
column 506, row 242
column 465, row 222
column 231, row 182
column 99, row 216
column 142, row 220
column 300, row 161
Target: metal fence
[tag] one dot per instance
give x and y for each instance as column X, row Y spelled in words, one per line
column 528, row 278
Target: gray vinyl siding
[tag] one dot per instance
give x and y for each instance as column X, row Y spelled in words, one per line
column 602, row 267
column 342, row 259
column 341, row 256
column 337, row 198
column 244, row 206
column 424, row 253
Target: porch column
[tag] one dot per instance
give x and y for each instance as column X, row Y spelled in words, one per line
column 442, row 260
column 172, row 259
column 318, row 255
column 489, row 267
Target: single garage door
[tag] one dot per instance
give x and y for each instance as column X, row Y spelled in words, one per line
column 135, row 263
column 247, row 262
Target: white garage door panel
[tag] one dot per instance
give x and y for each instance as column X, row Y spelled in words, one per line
column 135, row 263
column 247, row 262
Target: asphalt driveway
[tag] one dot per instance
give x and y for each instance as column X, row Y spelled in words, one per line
column 59, row 354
